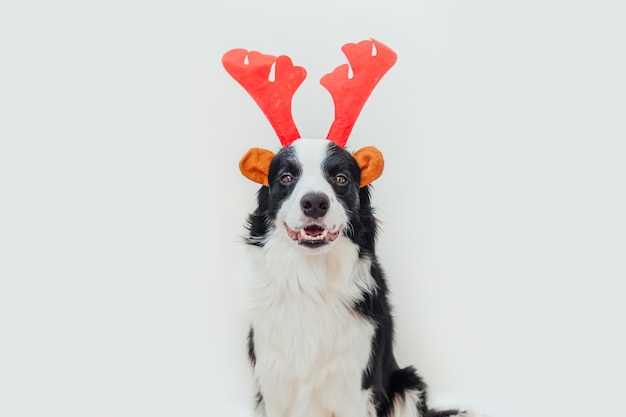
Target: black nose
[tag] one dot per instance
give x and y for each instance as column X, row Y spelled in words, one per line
column 314, row 205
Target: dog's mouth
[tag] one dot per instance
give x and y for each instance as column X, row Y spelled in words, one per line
column 312, row 235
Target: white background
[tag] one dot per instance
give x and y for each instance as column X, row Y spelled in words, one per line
column 121, row 206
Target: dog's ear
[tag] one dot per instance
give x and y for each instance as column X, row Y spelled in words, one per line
column 255, row 165
column 371, row 162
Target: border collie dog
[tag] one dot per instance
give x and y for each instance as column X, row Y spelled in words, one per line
column 321, row 336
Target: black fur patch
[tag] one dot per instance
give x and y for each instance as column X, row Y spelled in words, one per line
column 251, row 353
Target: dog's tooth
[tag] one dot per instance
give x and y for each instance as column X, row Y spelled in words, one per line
column 302, row 232
column 324, row 234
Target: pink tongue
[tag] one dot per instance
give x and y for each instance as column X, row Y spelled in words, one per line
column 313, row 231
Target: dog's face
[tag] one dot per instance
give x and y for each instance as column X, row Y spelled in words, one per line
column 314, row 189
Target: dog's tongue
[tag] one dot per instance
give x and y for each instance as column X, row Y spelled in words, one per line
column 313, row 231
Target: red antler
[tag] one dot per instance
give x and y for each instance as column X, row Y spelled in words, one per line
column 369, row 60
column 273, row 97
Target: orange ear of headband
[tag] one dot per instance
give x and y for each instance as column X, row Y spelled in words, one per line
column 371, row 162
column 255, row 164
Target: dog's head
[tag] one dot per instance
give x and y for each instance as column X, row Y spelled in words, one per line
column 313, row 189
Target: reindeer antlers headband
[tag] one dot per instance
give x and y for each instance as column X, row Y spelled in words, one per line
column 369, row 61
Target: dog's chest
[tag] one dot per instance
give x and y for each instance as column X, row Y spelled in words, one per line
column 310, row 360
column 309, row 342
column 307, row 334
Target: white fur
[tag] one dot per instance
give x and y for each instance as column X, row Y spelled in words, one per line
column 406, row 407
column 311, row 348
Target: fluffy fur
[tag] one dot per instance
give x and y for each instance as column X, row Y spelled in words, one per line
column 320, row 341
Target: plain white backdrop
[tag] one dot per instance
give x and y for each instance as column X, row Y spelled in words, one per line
column 122, row 209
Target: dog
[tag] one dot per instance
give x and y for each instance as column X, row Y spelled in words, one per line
column 321, row 336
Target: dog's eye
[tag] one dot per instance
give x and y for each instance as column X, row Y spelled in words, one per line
column 340, row 179
column 287, row 179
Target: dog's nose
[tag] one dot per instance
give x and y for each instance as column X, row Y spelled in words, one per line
column 314, row 205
